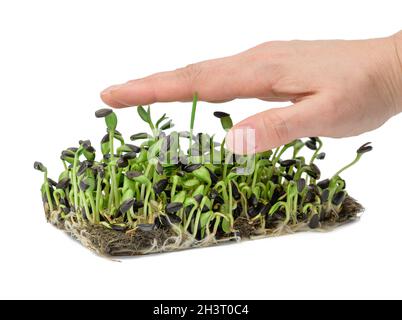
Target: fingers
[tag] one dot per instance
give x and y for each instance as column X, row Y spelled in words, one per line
column 274, row 127
column 239, row 76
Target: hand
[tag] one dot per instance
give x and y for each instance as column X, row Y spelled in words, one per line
column 338, row 88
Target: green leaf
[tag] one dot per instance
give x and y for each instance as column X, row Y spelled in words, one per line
column 180, row 197
column 140, row 136
column 111, row 121
column 202, row 174
column 226, row 227
column 227, row 123
column 160, row 120
column 167, row 125
column 143, row 114
column 192, row 183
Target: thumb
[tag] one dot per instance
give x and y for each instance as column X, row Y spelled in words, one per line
column 273, row 128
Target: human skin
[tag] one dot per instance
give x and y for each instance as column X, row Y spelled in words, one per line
column 337, row 88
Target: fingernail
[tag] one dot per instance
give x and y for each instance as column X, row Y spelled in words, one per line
column 241, row 139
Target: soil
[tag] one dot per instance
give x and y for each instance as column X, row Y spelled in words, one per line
column 107, row 242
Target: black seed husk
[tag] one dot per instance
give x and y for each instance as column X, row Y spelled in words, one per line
column 191, row 167
column 82, row 168
column 198, row 197
column 287, row 163
column 129, row 155
column 214, row 177
column 235, row 191
column 338, row 198
column 253, row 201
column 101, row 113
column 173, row 207
column 301, row 184
column 126, row 205
column 105, row 138
column 122, row 162
column 146, row 227
column 117, row 227
column 133, row 174
column 365, row 148
column 63, row 183
column 311, row 144
column 159, row 168
column 52, row 182
column 138, row 204
column 133, row 147
column 321, row 156
column 160, row 186
column 324, row 196
column 220, row 114
column 314, row 221
column 323, row 184
column 83, row 185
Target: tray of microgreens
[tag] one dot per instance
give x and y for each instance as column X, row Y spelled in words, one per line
column 167, row 190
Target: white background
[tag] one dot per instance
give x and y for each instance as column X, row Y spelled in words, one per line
column 56, row 56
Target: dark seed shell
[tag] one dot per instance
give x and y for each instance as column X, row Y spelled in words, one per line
column 160, row 186
column 82, row 168
column 213, row 194
column 159, row 168
column 198, row 197
column 63, row 183
column 254, row 211
column 72, row 149
column 315, row 169
column 214, row 177
column 173, row 207
column 138, row 204
column 253, row 200
column 192, row 167
column 365, row 148
column 321, row 156
column 311, row 144
column 219, row 200
column 85, row 143
column 122, row 162
column 288, row 177
column 235, row 191
column 314, row 221
column 83, row 185
column 323, row 184
column 301, row 184
column 140, row 135
column 117, row 227
column 146, row 227
column 174, row 219
column 237, row 212
column 105, row 138
column 133, row 174
column 101, row 113
column 310, row 196
column 338, row 198
column 220, row 114
column 265, row 209
column 180, row 173
column 39, row 166
column 129, row 155
column 126, row 205
column 52, row 182
column 84, row 214
column 287, row 163
column 204, row 209
column 133, row 147
column 324, row 196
